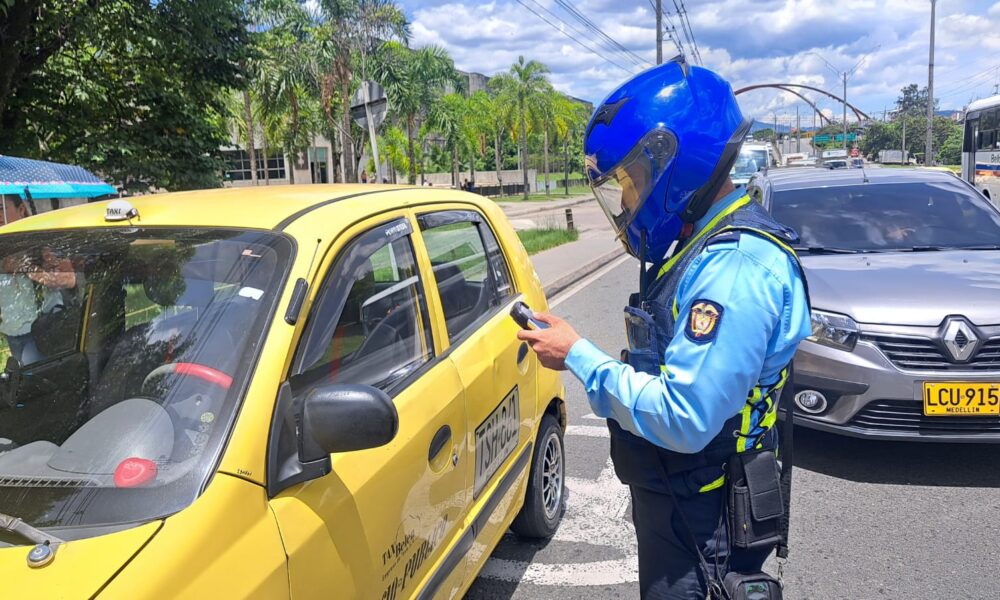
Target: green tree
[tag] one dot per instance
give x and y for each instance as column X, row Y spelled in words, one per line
column 412, row 80
column 518, row 91
column 912, row 100
column 950, row 150
column 357, row 28
column 138, row 94
column 879, row 136
column 393, row 147
column 32, row 32
column 491, row 125
column 447, row 118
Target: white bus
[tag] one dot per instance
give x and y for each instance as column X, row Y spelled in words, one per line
column 981, row 147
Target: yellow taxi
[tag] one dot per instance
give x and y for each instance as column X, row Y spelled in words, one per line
column 289, row 392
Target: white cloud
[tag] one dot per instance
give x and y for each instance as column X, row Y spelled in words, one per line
column 747, row 41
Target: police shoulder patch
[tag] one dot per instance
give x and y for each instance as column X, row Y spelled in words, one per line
column 703, row 321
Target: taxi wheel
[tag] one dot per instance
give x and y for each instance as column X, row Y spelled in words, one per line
column 545, row 500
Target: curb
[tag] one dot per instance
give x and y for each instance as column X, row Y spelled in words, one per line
column 557, row 286
column 522, row 212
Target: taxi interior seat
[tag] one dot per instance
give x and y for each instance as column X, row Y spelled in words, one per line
column 462, row 301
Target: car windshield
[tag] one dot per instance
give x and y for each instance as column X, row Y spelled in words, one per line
column 126, row 352
column 749, row 162
column 889, row 216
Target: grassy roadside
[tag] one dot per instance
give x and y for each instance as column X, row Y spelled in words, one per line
column 557, row 194
column 536, row 240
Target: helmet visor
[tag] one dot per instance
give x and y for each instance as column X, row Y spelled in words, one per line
column 622, row 189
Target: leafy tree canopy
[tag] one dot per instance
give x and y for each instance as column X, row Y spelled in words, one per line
column 134, row 90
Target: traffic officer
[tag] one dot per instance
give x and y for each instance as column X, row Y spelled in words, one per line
column 711, row 332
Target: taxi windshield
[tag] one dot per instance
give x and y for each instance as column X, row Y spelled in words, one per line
column 125, row 354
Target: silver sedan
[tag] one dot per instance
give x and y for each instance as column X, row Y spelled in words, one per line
column 903, row 268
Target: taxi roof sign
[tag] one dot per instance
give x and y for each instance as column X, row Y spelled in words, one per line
column 120, row 210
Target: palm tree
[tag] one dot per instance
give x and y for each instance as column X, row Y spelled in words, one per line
column 356, row 29
column 393, row 145
column 559, row 114
column 520, row 90
column 286, row 81
column 412, row 80
column 447, row 118
column 491, row 122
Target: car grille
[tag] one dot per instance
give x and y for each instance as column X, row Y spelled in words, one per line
column 922, row 354
column 908, row 417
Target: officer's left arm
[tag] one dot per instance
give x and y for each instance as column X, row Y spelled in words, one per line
column 729, row 306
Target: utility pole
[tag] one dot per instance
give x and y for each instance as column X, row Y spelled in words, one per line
column 798, row 130
column 905, row 161
column 929, row 150
column 659, row 32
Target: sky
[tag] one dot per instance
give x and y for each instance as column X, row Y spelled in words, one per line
column 746, row 41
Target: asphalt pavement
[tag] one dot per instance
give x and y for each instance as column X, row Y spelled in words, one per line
column 870, row 520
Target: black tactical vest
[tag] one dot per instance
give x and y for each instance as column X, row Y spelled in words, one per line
column 644, row 464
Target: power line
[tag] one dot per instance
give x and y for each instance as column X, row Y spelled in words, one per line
column 670, row 31
column 562, row 21
column 590, row 25
column 694, row 42
column 584, row 46
column 685, row 28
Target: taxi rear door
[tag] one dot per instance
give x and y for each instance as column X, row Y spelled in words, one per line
column 376, row 524
column 473, row 285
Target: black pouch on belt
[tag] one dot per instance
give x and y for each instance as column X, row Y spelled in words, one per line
column 755, row 503
column 751, row 586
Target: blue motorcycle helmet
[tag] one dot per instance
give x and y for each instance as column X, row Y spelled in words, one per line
column 658, row 149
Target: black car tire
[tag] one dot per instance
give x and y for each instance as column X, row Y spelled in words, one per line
column 545, row 499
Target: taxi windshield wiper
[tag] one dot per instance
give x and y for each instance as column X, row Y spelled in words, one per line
column 32, row 534
column 824, row 250
column 924, row 249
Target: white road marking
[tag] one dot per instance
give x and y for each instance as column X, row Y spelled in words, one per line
column 588, row 431
column 596, row 515
column 592, row 416
column 572, row 291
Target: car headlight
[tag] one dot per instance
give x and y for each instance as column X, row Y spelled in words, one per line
column 834, row 330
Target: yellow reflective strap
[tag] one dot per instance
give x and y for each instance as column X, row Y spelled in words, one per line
column 769, row 236
column 708, row 487
column 745, row 422
column 740, row 203
column 676, row 309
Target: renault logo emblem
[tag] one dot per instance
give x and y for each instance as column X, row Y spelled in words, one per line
column 960, row 339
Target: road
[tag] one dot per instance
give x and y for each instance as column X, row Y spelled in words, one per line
column 870, row 519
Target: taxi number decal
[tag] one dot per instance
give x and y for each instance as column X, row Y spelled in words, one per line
column 496, row 439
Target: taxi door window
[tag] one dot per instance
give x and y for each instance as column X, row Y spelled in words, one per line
column 471, row 274
column 370, row 324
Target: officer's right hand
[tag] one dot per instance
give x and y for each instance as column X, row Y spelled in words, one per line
column 551, row 344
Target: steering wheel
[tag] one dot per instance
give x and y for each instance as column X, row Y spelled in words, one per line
column 203, row 372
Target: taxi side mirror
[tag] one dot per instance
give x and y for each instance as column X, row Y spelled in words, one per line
column 342, row 417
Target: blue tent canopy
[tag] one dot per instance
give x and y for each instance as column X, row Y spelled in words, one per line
column 44, row 179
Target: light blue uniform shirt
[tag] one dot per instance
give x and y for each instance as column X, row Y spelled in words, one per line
column 765, row 316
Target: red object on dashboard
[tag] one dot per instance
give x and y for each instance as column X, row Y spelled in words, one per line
column 202, row 372
column 134, row 472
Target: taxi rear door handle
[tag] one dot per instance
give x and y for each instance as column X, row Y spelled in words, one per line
column 438, row 442
column 522, row 352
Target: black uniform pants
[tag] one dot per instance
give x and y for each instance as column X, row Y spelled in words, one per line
column 668, row 566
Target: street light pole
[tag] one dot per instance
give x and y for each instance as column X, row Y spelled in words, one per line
column 929, row 150
column 659, row 32
column 845, row 111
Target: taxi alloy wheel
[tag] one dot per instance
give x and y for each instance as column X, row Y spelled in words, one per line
column 552, row 475
column 545, row 499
